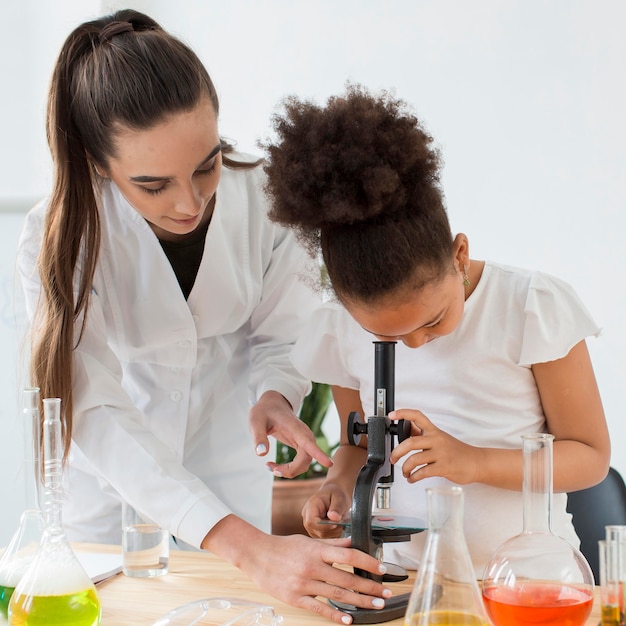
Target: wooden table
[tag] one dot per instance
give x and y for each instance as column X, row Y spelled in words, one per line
column 193, row 576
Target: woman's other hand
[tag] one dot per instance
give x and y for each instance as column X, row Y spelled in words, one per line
column 273, row 415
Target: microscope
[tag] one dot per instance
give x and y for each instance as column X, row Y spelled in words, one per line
column 374, row 481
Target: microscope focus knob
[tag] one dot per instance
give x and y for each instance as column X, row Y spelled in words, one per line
column 403, row 430
column 356, row 428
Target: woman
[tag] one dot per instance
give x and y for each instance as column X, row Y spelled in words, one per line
column 485, row 352
column 164, row 303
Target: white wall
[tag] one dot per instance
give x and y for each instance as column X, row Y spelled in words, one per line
column 12, row 467
column 526, row 99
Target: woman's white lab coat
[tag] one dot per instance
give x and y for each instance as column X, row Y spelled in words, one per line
column 163, row 386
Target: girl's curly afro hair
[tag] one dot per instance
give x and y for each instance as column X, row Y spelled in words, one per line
column 358, row 180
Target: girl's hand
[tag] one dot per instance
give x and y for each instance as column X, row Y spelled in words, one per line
column 273, row 415
column 436, row 452
column 329, row 502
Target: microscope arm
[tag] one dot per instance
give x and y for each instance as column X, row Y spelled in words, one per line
column 365, row 486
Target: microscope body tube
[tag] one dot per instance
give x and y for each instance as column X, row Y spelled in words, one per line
column 385, row 374
column 384, row 385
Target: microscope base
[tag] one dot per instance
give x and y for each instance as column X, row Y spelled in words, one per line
column 394, row 608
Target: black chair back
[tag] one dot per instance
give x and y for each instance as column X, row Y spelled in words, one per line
column 594, row 508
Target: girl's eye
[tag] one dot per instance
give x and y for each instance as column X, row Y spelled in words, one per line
column 435, row 324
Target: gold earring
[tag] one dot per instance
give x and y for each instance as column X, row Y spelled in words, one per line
column 466, row 281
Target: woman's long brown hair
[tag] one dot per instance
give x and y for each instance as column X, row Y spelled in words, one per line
column 120, row 71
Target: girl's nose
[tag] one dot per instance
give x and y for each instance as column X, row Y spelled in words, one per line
column 415, row 340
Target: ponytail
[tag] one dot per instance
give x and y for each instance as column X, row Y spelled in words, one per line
column 71, row 231
column 120, row 71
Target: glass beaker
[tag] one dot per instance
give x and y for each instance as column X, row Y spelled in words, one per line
column 55, row 589
column 537, row 577
column 446, row 590
column 25, row 541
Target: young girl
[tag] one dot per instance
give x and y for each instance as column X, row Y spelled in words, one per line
column 485, row 352
column 165, row 303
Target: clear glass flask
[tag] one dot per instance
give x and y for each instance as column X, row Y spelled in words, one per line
column 25, row 541
column 537, row 577
column 55, row 589
column 446, row 590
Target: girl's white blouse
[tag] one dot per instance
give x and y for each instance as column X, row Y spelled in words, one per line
column 475, row 384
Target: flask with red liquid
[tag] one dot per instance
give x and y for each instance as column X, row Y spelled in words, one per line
column 537, row 577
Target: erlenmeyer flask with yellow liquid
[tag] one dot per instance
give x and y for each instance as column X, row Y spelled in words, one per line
column 55, row 589
column 446, row 590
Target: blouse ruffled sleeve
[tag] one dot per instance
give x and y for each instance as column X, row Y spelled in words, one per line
column 555, row 320
column 317, row 354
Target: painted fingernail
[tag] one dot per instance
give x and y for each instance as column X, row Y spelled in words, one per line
column 261, row 449
column 382, row 569
column 278, row 473
column 387, row 593
column 379, row 603
column 346, row 619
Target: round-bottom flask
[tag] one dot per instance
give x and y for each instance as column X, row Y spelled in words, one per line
column 537, row 577
column 55, row 589
column 446, row 590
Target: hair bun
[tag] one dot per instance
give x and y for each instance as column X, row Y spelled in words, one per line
column 357, row 159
